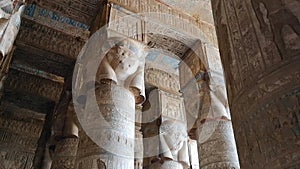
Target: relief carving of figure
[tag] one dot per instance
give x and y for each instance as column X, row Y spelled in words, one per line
column 124, row 65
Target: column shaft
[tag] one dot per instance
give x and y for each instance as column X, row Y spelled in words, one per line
column 109, row 89
column 207, row 104
column 64, row 156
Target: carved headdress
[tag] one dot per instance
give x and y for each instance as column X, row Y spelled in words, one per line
column 123, row 64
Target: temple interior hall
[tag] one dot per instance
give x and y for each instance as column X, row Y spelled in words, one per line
column 149, row 84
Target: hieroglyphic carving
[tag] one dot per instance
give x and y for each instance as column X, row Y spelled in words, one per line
column 124, row 22
column 259, row 49
column 256, row 26
column 163, row 80
column 172, row 106
column 167, row 165
column 176, row 22
column 47, row 38
column 76, row 9
column 111, row 128
column 136, row 27
column 19, row 81
column 153, row 29
column 268, row 85
column 172, row 41
column 193, row 66
column 19, row 136
column 216, row 145
column 54, row 20
column 64, row 156
column 90, row 155
column 274, row 142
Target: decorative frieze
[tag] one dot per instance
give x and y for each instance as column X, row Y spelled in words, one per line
column 56, row 21
column 162, row 13
column 23, row 82
column 47, row 38
column 82, row 11
column 162, row 80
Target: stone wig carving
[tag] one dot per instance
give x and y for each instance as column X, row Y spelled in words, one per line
column 10, row 20
column 174, row 142
column 123, row 65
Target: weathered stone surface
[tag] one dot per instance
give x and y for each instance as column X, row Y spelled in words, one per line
column 111, row 127
column 138, row 144
column 180, row 22
column 270, row 133
column 41, row 60
column 162, row 80
column 20, row 130
column 205, row 96
column 23, row 82
column 259, row 45
column 216, row 145
column 65, row 153
column 47, row 38
column 200, row 9
column 55, row 20
column 83, row 11
column 9, row 27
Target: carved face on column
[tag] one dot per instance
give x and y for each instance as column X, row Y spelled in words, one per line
column 173, row 139
column 123, row 61
column 124, row 65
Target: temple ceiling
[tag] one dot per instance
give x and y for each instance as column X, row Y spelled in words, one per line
column 53, row 32
column 200, row 9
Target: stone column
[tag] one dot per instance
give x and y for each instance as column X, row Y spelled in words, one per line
column 150, row 128
column 9, row 29
column 207, row 107
column 168, row 131
column 260, row 50
column 66, row 142
column 108, row 116
column 138, row 145
column 216, row 142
